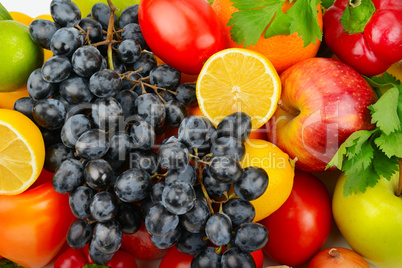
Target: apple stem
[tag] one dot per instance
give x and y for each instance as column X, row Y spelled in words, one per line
column 334, row 253
column 400, row 177
column 290, row 111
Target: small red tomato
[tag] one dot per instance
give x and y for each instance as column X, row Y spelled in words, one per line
column 258, row 257
column 183, row 33
column 176, row 259
column 300, row 227
column 338, row 257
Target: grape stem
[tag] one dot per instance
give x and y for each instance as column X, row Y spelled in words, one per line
column 109, row 36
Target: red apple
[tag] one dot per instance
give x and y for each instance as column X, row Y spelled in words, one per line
column 323, row 101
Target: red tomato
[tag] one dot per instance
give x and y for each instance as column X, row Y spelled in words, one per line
column 258, row 257
column 183, row 33
column 300, row 227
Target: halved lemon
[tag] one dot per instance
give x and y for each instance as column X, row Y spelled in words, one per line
column 22, row 152
column 238, row 79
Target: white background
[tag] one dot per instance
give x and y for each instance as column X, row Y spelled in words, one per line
column 35, row 8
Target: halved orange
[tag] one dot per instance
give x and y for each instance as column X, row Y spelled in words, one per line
column 22, row 152
column 238, row 79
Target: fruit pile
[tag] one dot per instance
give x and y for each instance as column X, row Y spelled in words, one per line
column 188, row 130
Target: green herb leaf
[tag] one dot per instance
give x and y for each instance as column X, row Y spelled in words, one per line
column 359, row 181
column 254, row 17
column 4, row 263
column 305, row 23
column 390, row 144
column 384, row 166
column 4, row 15
column 385, row 112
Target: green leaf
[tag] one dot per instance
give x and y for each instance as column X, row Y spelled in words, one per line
column 385, row 113
column 356, row 16
column 279, row 26
column 357, row 162
column 390, row 144
column 338, row 158
column 211, row 2
column 4, row 15
column 386, row 80
column 4, row 263
column 359, row 142
column 383, row 165
column 359, row 181
column 327, row 3
column 93, row 265
column 251, row 20
column 305, row 23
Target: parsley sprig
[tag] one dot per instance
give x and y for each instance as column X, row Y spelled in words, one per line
column 366, row 156
column 254, row 17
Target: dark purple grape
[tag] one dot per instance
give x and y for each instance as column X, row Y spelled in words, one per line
column 251, row 236
column 167, row 240
column 84, row 108
column 251, row 184
column 235, row 258
column 129, row 51
column 156, row 192
column 186, row 174
column 159, row 221
column 151, row 109
column 38, row 88
column 101, row 13
column 75, row 90
column 206, row 258
column 55, row 154
column 225, row 169
column 127, row 98
column 79, row 234
column 107, row 113
column 165, row 76
column 95, row 33
column 142, row 134
column 25, row 105
column 237, row 125
column 239, row 211
column 42, row 31
column 193, row 131
column 65, row 13
column 229, row 146
column 130, row 83
column 128, row 15
column 129, row 218
column 186, row 94
column 145, row 205
column 49, row 113
column 107, row 236
column 98, row 174
column 105, row 83
column 195, row 220
column 178, row 197
column 219, row 229
column 68, row 176
column 173, row 155
column 214, row 187
column 144, row 159
column 120, row 145
column 92, row 144
column 79, row 200
column 65, row 41
column 118, row 65
column 73, row 128
column 175, row 113
column 133, row 185
column 97, row 256
column 86, row 61
column 191, row 243
column 133, row 31
column 56, row 69
column 146, row 61
column 103, row 206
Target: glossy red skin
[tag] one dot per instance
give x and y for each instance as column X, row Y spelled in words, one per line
column 78, row 258
column 183, row 33
column 34, row 225
column 374, row 50
column 329, row 101
column 300, row 227
column 140, row 245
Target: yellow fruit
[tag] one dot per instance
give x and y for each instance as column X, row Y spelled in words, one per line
column 7, row 99
column 238, row 79
column 19, row 55
column 21, row 17
column 22, row 152
column 280, row 172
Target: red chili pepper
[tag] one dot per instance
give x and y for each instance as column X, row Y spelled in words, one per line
column 78, row 258
column 366, row 35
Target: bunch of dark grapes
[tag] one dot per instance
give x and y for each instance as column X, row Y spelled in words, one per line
column 102, row 103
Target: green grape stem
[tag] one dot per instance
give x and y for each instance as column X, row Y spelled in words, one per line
column 109, row 35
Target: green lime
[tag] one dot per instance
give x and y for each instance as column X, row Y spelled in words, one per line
column 19, row 55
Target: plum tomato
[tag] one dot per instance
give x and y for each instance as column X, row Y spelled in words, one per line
column 300, row 227
column 183, row 33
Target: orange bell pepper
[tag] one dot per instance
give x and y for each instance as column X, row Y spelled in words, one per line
column 34, row 225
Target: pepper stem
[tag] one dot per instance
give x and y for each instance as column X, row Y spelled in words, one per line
column 356, row 15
